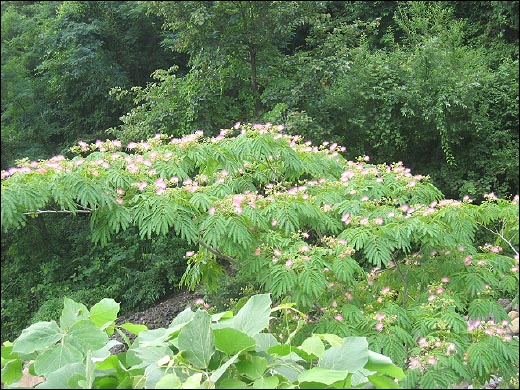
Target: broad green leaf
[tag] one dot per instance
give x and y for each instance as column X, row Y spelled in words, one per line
column 252, row 367
column 264, row 341
column 134, row 328
column 351, row 356
column 56, row 358
column 154, row 337
column 222, row 369
column 152, row 354
column 11, row 371
column 270, row 382
column 104, row 352
column 192, row 382
column 59, row 379
column 231, row 383
column 85, row 336
column 104, row 312
column 153, row 374
column 253, row 317
column 169, row 381
column 383, row 382
column 322, row 375
column 313, row 345
column 221, row 316
column 196, row 339
column 72, row 312
column 37, row 337
column 332, row 339
column 383, row 364
column 232, row 341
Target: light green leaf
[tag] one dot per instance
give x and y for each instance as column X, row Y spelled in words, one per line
column 332, row 339
column 104, row 352
column 252, row 367
column 269, row 382
column 253, row 317
column 85, row 336
column 37, row 337
column 56, row 358
column 59, row 378
column 322, row 375
column 192, row 382
column 134, row 328
column 383, row 382
column 154, row 337
column 72, row 312
column 383, row 364
column 313, row 345
column 169, row 381
column 196, row 339
column 231, row 383
column 183, row 317
column 232, row 341
column 152, row 354
column 221, row 316
column 264, row 341
column 351, row 356
column 104, row 312
column 11, row 371
column 220, row 371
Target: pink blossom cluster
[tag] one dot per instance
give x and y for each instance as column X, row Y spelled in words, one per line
column 491, row 328
column 490, row 248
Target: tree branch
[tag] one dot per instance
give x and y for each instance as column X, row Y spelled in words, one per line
column 86, row 211
column 218, row 253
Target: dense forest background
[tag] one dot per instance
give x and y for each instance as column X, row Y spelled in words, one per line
column 432, row 84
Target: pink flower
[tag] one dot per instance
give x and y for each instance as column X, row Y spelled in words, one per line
column 468, row 260
column 431, row 298
column 257, row 252
column 190, row 253
column 274, row 222
column 363, row 221
column 131, row 145
column 445, row 280
column 385, row 290
column 141, row 185
column 366, row 158
column 432, row 360
column 120, row 201
column 199, row 301
column 378, row 221
column 422, row 342
column 415, row 363
column 440, row 290
column 211, row 211
column 379, row 326
column 334, row 303
column 380, row 316
column 338, row 317
column 288, row 263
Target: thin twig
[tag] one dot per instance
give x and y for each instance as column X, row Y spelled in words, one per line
column 501, row 236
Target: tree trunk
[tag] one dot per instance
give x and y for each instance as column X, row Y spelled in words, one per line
column 254, row 83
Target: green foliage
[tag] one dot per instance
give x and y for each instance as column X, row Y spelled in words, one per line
column 365, row 250
column 196, row 350
column 59, row 61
